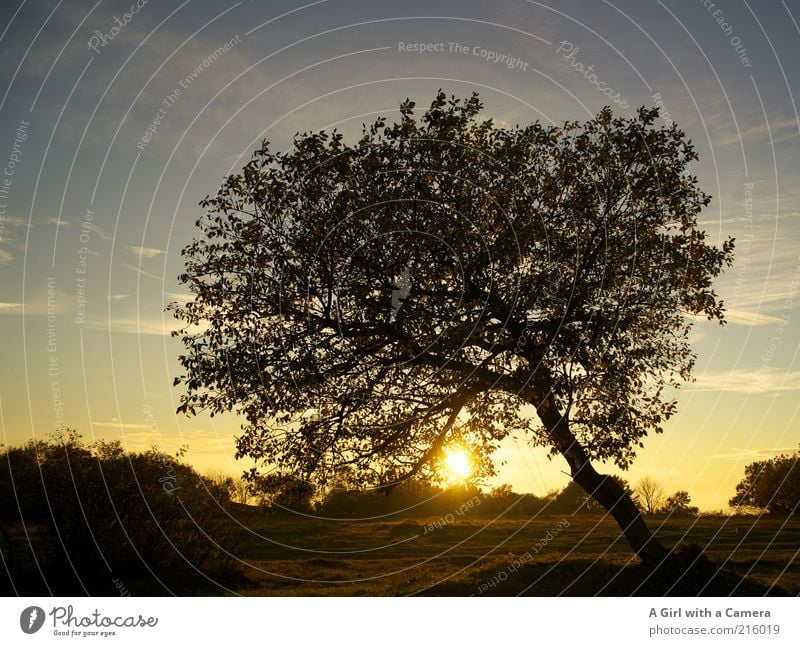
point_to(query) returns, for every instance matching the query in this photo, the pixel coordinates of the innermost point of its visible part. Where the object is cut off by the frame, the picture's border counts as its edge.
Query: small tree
(772, 484)
(679, 504)
(440, 281)
(651, 495)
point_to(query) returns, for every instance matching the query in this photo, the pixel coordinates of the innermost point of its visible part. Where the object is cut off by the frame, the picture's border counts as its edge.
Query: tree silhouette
(444, 280)
(651, 495)
(680, 503)
(773, 485)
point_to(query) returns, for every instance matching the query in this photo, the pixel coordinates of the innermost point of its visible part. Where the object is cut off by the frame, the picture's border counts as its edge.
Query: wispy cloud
(142, 272)
(748, 455)
(101, 233)
(7, 308)
(146, 252)
(5, 257)
(748, 381)
(58, 222)
(130, 325)
(779, 130)
(746, 317)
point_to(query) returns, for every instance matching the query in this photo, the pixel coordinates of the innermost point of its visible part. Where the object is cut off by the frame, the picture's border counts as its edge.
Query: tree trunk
(605, 490)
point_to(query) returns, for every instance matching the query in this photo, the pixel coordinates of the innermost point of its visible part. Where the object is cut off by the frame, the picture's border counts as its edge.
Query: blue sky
(97, 223)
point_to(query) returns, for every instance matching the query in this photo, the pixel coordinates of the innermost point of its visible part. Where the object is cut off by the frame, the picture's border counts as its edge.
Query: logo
(31, 619)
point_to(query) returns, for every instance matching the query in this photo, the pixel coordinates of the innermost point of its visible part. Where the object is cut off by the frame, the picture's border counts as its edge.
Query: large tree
(445, 281)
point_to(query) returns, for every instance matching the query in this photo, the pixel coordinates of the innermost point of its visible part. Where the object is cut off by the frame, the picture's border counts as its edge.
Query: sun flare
(458, 464)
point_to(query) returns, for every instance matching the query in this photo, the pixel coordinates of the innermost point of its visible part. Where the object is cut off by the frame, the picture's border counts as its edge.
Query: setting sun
(458, 464)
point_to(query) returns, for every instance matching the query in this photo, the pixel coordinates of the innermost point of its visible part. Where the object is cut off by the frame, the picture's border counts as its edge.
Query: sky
(117, 118)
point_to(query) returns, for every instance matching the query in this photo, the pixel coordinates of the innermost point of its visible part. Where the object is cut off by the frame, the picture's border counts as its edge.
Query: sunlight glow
(458, 463)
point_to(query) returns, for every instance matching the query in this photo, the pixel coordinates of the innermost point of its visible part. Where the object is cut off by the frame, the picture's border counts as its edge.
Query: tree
(679, 504)
(651, 495)
(772, 484)
(441, 279)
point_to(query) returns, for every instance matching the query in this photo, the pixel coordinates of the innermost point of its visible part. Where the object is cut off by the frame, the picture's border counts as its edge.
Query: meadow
(577, 555)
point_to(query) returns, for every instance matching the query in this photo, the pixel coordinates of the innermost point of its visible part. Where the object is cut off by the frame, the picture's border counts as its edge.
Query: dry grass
(300, 556)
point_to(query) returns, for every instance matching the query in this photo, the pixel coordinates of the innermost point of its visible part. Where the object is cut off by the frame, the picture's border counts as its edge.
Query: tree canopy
(446, 280)
(772, 484)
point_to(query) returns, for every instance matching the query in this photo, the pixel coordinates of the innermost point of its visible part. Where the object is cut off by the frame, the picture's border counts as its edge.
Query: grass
(305, 556)
(580, 555)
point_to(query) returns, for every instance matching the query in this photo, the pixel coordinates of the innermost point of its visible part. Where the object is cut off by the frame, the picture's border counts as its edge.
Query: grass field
(575, 555)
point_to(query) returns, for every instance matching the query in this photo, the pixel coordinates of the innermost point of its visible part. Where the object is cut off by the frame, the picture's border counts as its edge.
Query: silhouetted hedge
(76, 517)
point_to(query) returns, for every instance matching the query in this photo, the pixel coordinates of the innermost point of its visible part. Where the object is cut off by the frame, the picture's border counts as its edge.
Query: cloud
(6, 308)
(155, 327)
(745, 317)
(142, 272)
(101, 233)
(13, 221)
(142, 326)
(58, 222)
(146, 252)
(117, 297)
(754, 381)
(779, 130)
(750, 455)
(5, 257)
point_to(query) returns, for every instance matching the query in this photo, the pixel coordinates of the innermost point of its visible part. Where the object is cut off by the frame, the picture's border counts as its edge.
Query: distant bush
(572, 499)
(410, 499)
(86, 509)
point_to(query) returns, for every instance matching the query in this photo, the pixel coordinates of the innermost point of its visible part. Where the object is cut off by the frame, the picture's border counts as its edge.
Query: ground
(574, 555)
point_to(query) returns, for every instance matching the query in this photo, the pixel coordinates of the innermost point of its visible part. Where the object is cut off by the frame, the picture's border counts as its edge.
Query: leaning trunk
(604, 489)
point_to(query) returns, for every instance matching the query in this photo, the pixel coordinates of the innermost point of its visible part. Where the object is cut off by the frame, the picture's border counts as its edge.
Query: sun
(458, 463)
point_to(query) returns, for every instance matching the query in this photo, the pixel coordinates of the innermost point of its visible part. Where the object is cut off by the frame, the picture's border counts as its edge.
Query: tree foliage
(680, 504)
(441, 280)
(772, 484)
